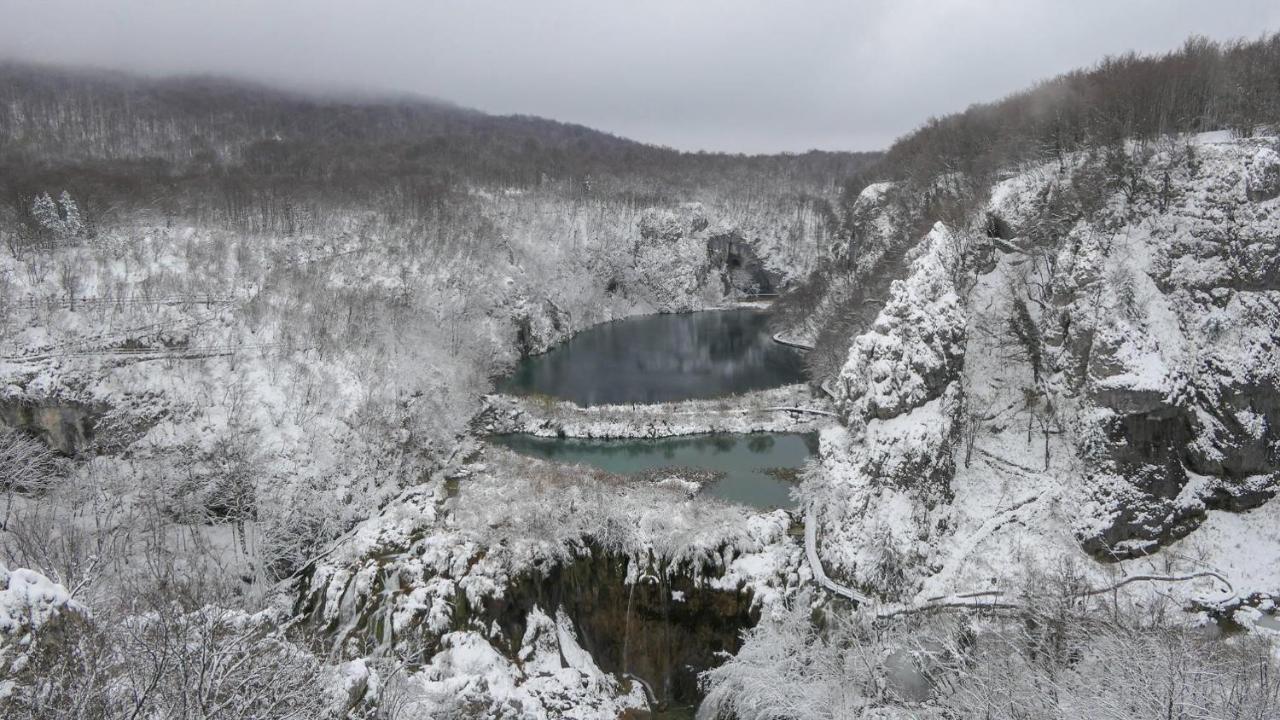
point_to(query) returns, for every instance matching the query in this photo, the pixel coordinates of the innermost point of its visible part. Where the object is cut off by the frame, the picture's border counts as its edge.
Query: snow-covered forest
(252, 344)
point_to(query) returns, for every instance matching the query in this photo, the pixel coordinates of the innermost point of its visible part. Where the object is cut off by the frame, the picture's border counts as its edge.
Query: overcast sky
(736, 75)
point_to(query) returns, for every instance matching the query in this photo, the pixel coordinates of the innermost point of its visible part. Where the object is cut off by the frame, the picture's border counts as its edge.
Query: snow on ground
(760, 411)
(552, 677)
(1244, 547)
(332, 367)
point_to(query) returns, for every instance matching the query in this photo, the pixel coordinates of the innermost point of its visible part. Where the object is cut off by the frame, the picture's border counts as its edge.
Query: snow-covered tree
(61, 219)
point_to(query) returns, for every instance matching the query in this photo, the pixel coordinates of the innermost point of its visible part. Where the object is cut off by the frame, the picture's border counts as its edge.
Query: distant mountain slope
(190, 125)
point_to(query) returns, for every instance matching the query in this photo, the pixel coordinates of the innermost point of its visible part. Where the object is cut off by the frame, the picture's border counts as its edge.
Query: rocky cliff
(1158, 318)
(1088, 364)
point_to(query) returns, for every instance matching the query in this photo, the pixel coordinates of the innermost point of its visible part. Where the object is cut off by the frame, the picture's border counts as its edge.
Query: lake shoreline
(759, 470)
(661, 358)
(754, 412)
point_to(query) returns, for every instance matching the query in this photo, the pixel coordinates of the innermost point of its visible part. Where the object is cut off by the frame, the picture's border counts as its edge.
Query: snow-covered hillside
(976, 459)
(235, 374)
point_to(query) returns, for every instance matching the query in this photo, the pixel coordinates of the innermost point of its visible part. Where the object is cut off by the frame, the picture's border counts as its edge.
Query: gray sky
(736, 75)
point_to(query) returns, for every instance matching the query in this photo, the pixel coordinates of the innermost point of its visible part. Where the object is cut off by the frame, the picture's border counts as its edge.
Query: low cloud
(735, 75)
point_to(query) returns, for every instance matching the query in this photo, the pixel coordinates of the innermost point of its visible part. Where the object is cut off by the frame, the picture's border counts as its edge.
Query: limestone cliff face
(683, 256)
(669, 257)
(1106, 332)
(742, 271)
(884, 487)
(677, 259)
(1163, 313)
(916, 345)
(1162, 317)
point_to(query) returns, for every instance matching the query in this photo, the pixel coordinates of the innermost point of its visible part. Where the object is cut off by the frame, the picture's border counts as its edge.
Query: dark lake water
(749, 463)
(662, 358)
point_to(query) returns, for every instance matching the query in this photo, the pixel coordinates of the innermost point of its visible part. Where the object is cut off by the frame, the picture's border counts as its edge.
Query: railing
(59, 301)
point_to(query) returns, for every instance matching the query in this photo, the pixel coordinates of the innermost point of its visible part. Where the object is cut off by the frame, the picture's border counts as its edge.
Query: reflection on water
(748, 463)
(662, 358)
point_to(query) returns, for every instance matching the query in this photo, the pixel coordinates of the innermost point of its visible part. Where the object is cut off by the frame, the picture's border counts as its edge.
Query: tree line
(172, 131)
(1204, 85)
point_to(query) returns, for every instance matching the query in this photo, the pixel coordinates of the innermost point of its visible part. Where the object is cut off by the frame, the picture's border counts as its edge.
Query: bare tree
(27, 466)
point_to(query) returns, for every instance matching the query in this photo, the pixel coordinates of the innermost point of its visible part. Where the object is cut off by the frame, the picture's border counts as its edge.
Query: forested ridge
(1204, 85)
(216, 148)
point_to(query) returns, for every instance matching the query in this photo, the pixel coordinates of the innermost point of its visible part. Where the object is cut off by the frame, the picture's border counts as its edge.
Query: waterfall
(626, 626)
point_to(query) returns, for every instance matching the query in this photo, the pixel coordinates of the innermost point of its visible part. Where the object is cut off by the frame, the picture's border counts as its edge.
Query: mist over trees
(1204, 85)
(256, 157)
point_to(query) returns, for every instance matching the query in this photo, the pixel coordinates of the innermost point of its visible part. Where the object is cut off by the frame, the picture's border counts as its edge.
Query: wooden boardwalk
(815, 563)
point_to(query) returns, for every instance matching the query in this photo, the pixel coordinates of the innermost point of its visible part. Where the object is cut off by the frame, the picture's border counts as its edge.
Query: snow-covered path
(815, 563)
(777, 337)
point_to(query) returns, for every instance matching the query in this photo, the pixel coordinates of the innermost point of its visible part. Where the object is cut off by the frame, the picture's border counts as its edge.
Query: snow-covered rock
(916, 345)
(551, 677)
(445, 572)
(29, 600)
(30, 604)
(1103, 382)
(1262, 180)
(1166, 305)
(885, 477)
(669, 257)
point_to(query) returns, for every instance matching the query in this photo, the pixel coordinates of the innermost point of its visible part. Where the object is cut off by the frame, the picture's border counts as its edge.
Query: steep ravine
(1071, 377)
(664, 626)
